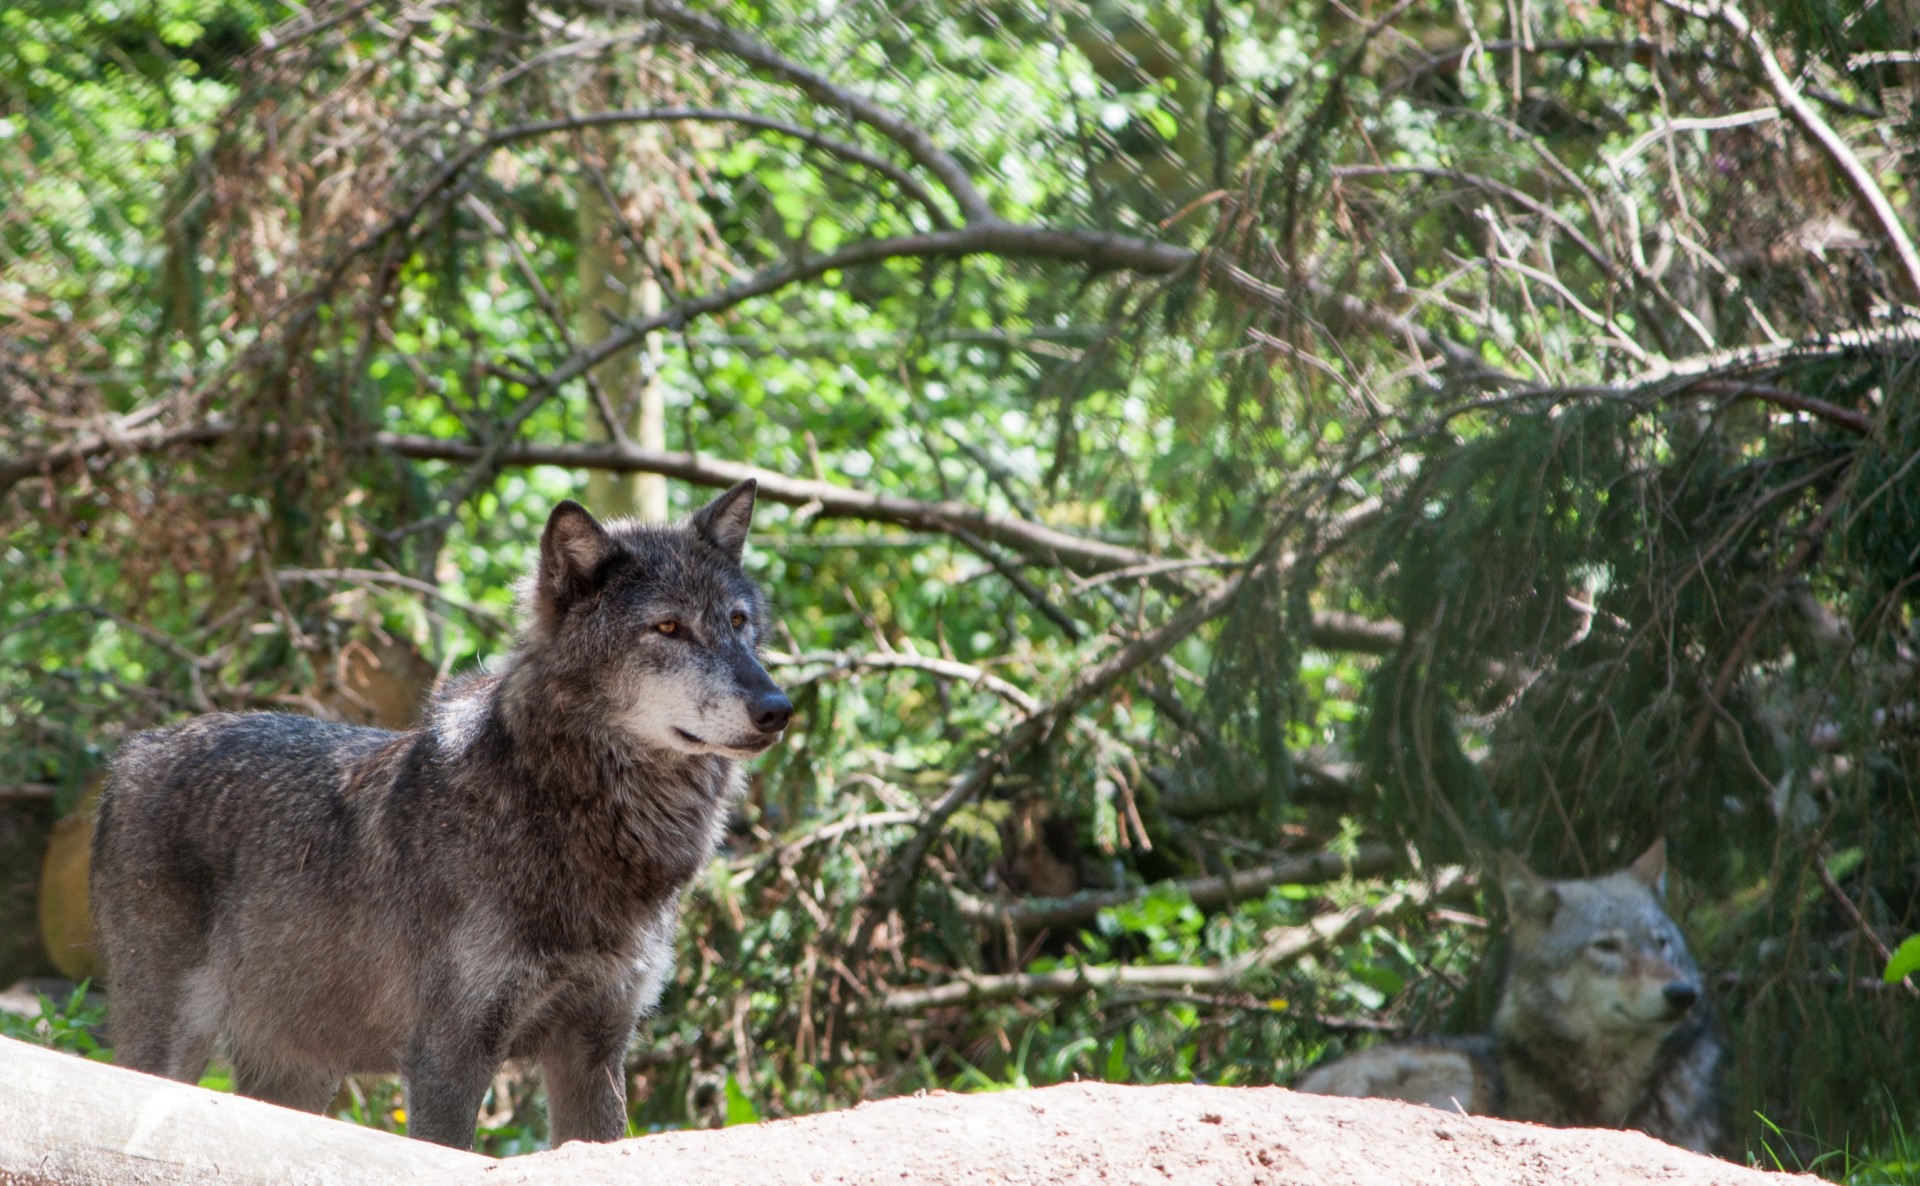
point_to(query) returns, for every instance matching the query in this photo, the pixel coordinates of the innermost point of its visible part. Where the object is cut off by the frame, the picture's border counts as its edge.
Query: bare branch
(1855, 422)
(821, 498)
(1281, 946)
(1091, 248)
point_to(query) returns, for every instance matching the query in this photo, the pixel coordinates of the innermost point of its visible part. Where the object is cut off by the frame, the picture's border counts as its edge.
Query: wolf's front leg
(447, 1076)
(585, 1070)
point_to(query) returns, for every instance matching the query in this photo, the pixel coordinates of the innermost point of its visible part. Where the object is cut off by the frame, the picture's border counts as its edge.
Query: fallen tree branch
(1033, 540)
(1208, 893)
(1281, 946)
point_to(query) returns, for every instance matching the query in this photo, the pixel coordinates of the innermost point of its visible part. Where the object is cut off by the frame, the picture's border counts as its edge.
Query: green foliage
(1904, 962)
(68, 1025)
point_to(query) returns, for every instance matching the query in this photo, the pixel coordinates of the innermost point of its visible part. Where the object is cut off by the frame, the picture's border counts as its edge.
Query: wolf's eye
(667, 627)
(739, 620)
(1606, 944)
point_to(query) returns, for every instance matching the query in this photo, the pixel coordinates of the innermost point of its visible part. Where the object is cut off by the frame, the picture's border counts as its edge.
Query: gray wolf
(1601, 1022)
(502, 881)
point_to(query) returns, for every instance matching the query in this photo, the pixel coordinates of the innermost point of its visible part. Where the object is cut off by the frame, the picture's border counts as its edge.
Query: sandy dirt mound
(1101, 1133)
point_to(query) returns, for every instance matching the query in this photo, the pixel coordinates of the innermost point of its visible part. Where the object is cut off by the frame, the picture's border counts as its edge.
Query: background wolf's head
(1596, 958)
(650, 632)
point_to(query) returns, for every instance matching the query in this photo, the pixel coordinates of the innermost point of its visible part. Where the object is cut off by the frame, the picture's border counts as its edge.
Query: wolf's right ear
(1531, 898)
(724, 522)
(571, 549)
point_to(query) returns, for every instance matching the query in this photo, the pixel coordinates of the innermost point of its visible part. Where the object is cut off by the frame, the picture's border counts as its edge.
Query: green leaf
(1905, 961)
(1117, 1059)
(740, 1109)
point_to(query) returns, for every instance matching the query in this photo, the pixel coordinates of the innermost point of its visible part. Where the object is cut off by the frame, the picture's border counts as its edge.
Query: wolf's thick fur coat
(1601, 1023)
(503, 880)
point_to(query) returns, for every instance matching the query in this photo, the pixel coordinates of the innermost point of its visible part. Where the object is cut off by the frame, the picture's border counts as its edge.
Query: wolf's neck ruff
(503, 880)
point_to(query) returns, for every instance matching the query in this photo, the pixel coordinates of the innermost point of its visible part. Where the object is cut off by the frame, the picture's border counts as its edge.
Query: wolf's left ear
(1651, 869)
(1530, 897)
(724, 521)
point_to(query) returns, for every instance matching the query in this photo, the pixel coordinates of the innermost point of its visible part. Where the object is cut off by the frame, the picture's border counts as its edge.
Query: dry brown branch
(1858, 178)
(1208, 893)
(14, 470)
(1281, 946)
(1854, 422)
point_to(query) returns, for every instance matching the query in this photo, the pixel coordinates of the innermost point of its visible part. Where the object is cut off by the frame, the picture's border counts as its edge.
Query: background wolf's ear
(1650, 869)
(724, 521)
(571, 548)
(1531, 898)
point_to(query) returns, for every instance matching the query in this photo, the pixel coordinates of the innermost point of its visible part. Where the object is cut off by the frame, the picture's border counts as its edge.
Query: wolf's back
(219, 797)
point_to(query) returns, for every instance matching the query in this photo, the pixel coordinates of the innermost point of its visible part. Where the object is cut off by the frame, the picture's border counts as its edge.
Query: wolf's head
(651, 632)
(1596, 959)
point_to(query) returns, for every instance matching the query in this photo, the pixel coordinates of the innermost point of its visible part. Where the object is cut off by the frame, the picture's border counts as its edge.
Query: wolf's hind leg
(301, 1088)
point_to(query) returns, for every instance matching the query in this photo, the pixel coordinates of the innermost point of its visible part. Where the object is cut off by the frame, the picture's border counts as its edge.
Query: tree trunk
(615, 285)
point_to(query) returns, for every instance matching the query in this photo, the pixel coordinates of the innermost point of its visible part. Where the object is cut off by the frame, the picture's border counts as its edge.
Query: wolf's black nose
(1680, 996)
(772, 710)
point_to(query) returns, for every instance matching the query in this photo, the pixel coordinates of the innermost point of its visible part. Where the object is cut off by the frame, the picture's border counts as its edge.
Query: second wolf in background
(1601, 1023)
